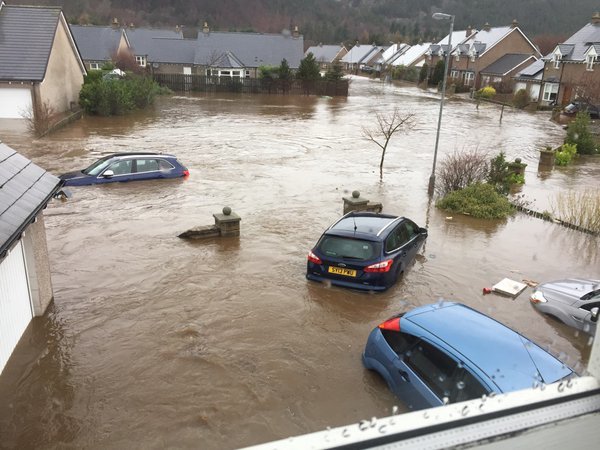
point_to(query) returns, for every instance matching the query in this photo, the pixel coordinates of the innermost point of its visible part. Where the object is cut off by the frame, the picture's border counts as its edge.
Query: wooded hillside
(335, 21)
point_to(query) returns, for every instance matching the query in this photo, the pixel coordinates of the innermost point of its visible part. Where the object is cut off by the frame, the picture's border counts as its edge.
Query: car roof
(131, 154)
(364, 225)
(508, 359)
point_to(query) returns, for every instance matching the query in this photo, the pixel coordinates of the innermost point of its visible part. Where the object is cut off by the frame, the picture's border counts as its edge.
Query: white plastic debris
(509, 287)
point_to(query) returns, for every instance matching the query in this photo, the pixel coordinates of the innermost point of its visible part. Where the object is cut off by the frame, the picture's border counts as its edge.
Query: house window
(589, 62)
(472, 57)
(247, 74)
(468, 78)
(94, 66)
(457, 57)
(141, 61)
(557, 57)
(454, 74)
(550, 92)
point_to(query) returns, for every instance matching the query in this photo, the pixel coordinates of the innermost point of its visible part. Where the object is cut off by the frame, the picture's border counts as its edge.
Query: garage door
(14, 102)
(15, 304)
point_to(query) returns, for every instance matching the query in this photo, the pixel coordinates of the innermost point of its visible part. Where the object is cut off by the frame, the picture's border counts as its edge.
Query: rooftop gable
(141, 40)
(27, 35)
(412, 54)
(324, 53)
(507, 63)
(357, 53)
(534, 71)
(581, 41)
(25, 189)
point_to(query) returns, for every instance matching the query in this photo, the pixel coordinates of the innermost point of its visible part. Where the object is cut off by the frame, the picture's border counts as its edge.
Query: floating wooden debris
(509, 287)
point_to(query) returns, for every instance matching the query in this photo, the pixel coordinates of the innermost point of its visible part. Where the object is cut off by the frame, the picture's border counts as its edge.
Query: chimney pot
(487, 27)
(514, 23)
(596, 18)
(205, 28)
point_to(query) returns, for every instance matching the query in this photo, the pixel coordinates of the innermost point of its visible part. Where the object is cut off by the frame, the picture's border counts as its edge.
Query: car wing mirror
(595, 312)
(108, 174)
(423, 231)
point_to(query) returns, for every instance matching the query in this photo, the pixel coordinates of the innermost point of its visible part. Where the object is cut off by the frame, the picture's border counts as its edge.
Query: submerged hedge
(479, 200)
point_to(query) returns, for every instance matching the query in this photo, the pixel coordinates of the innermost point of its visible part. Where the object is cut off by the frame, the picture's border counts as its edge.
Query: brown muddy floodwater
(155, 342)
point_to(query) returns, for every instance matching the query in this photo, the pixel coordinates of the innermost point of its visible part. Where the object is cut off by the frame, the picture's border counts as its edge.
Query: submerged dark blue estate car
(448, 352)
(127, 167)
(365, 250)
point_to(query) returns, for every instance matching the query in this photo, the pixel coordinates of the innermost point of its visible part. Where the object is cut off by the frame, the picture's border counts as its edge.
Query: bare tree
(39, 117)
(387, 125)
(461, 169)
(587, 88)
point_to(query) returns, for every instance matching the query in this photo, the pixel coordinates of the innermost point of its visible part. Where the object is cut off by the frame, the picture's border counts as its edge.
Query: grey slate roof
(26, 38)
(581, 41)
(25, 189)
(142, 39)
(506, 64)
(324, 53)
(172, 51)
(532, 72)
(96, 43)
(251, 49)
(566, 50)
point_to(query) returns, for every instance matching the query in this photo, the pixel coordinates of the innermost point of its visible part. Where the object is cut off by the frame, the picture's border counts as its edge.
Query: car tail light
(390, 324)
(186, 173)
(383, 266)
(537, 297)
(314, 258)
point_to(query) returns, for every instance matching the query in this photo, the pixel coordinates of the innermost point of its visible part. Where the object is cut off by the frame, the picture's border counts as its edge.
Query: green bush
(520, 99)
(565, 154)
(578, 133)
(479, 200)
(107, 97)
(405, 73)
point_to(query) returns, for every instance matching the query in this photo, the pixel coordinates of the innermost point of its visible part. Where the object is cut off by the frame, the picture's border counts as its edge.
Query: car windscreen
(97, 167)
(349, 248)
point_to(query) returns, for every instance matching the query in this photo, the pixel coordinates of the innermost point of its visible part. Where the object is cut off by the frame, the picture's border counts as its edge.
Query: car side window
(467, 387)
(121, 167)
(146, 165)
(164, 165)
(398, 341)
(397, 238)
(412, 229)
(434, 368)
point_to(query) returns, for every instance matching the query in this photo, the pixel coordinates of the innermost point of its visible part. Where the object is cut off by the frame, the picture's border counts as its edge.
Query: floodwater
(155, 342)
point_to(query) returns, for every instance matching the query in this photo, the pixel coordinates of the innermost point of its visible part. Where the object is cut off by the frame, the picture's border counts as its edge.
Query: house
(97, 45)
(360, 56)
(500, 73)
(437, 51)
(171, 56)
(102, 44)
(390, 54)
(483, 48)
(25, 284)
(573, 68)
(40, 65)
(240, 55)
(413, 56)
(530, 79)
(327, 55)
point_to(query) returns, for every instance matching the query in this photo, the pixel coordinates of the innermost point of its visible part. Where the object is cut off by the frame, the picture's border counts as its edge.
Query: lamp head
(442, 16)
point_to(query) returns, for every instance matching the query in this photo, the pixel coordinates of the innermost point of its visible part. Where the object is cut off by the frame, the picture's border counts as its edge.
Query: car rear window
(348, 248)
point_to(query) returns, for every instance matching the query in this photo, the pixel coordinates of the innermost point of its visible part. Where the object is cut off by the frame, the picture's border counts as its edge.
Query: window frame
(141, 60)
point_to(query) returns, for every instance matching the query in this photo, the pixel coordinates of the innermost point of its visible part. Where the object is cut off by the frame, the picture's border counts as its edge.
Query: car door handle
(404, 376)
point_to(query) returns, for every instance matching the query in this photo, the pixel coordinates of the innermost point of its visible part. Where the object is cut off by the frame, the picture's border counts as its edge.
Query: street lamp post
(441, 16)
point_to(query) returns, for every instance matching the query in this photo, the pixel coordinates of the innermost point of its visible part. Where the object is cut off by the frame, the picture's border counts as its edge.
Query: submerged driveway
(153, 341)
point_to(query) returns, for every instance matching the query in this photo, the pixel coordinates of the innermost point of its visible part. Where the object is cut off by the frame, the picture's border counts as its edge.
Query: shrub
(461, 169)
(405, 73)
(479, 200)
(423, 72)
(107, 97)
(520, 99)
(578, 133)
(334, 73)
(438, 73)
(486, 92)
(565, 154)
(498, 173)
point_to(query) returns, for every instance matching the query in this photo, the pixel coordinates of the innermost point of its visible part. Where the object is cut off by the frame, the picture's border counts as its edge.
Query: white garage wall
(15, 303)
(14, 102)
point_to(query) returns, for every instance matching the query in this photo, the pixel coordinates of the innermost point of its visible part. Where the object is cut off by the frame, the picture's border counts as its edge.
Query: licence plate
(342, 271)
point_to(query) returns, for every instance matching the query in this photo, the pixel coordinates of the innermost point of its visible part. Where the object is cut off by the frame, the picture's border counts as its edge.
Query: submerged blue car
(127, 167)
(365, 250)
(448, 352)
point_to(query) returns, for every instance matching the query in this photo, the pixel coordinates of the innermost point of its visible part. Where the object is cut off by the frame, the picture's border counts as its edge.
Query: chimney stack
(115, 23)
(487, 27)
(596, 18)
(514, 23)
(205, 28)
(469, 31)
(296, 34)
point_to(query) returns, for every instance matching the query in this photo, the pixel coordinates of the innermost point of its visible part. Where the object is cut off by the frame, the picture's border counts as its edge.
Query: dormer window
(457, 57)
(557, 57)
(473, 56)
(590, 58)
(141, 61)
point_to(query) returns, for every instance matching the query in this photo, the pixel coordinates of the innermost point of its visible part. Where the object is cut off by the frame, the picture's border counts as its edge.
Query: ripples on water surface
(157, 342)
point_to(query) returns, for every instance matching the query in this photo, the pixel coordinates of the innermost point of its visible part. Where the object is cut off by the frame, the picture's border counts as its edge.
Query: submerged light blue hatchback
(448, 352)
